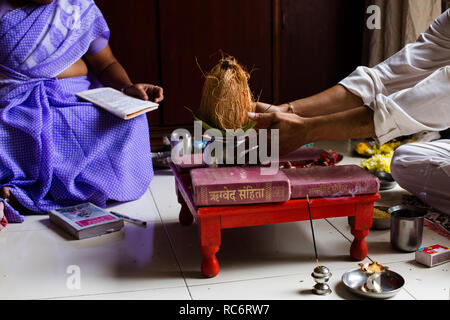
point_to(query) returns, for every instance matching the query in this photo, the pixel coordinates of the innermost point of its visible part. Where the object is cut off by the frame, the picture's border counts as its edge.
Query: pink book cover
(304, 154)
(189, 161)
(333, 181)
(237, 186)
(184, 163)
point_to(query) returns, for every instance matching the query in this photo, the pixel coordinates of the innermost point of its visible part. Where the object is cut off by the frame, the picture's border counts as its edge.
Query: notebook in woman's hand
(117, 103)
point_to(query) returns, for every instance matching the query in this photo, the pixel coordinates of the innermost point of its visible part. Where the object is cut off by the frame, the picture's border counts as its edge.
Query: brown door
(321, 43)
(135, 40)
(294, 48)
(200, 29)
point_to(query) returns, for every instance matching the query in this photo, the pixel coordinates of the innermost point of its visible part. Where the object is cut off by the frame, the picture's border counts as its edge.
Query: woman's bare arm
(107, 69)
(111, 73)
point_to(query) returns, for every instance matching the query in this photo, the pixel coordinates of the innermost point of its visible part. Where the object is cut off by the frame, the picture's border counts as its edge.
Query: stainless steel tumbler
(406, 227)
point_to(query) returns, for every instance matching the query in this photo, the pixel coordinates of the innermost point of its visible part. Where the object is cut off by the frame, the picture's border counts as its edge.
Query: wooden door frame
(277, 25)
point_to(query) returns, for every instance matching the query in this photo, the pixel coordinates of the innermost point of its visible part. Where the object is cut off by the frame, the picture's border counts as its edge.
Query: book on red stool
(238, 185)
(338, 181)
(246, 185)
(304, 156)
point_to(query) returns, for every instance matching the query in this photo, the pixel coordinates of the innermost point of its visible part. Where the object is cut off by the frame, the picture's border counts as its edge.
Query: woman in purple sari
(56, 150)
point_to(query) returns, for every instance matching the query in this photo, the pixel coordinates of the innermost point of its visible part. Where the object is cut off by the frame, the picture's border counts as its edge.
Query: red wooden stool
(211, 220)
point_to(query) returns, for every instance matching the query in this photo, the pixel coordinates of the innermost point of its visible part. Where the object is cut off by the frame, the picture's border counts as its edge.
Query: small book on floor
(86, 220)
(118, 103)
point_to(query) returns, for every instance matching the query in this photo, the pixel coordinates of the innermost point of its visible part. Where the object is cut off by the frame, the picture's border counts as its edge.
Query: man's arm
(335, 99)
(296, 131)
(356, 123)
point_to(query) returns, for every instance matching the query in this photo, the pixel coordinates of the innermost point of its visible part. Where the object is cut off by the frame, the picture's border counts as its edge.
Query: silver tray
(391, 283)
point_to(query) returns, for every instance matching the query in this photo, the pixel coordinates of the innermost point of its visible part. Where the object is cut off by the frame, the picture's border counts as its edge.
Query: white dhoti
(410, 93)
(424, 170)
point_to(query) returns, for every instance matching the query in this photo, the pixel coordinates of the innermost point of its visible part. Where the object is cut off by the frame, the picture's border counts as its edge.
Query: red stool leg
(209, 232)
(363, 222)
(210, 265)
(358, 249)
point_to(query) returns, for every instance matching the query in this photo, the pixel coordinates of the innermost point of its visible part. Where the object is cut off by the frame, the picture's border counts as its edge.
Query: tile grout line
(334, 227)
(171, 243)
(352, 241)
(349, 240)
(257, 278)
(412, 296)
(108, 293)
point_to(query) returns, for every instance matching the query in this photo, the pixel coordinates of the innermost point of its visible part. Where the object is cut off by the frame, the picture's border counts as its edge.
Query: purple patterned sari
(54, 149)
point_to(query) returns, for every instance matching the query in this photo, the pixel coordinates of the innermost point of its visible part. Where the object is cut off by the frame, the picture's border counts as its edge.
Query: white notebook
(117, 103)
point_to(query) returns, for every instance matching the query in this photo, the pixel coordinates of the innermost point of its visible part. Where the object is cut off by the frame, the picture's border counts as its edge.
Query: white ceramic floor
(162, 261)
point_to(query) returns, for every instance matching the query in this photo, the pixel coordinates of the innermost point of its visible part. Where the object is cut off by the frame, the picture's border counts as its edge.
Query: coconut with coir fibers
(226, 96)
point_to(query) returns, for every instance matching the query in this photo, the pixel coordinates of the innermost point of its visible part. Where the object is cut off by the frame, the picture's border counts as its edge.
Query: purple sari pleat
(56, 150)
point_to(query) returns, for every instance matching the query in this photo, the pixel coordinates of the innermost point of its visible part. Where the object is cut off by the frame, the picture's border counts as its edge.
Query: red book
(184, 163)
(333, 181)
(302, 155)
(237, 186)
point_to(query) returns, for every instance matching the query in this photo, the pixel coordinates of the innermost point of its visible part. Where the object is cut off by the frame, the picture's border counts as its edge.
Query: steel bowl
(387, 182)
(378, 223)
(381, 223)
(390, 281)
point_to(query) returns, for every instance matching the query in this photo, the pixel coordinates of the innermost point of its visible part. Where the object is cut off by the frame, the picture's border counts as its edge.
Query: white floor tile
(32, 223)
(142, 209)
(425, 283)
(163, 192)
(264, 251)
(34, 264)
(180, 293)
(379, 242)
(265, 262)
(292, 287)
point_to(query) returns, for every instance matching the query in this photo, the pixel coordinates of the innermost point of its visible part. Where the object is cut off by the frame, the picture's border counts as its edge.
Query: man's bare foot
(5, 193)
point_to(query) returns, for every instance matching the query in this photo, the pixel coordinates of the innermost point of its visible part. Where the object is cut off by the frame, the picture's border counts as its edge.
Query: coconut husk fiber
(226, 96)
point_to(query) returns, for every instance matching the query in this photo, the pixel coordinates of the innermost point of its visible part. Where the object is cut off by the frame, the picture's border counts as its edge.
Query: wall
(294, 48)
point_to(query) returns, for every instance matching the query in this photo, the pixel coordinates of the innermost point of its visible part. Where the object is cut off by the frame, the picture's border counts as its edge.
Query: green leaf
(249, 126)
(207, 126)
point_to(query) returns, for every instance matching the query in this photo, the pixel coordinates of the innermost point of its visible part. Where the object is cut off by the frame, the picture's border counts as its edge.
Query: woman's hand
(293, 129)
(146, 92)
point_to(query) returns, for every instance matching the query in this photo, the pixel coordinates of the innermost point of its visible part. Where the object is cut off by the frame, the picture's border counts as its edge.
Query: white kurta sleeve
(409, 92)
